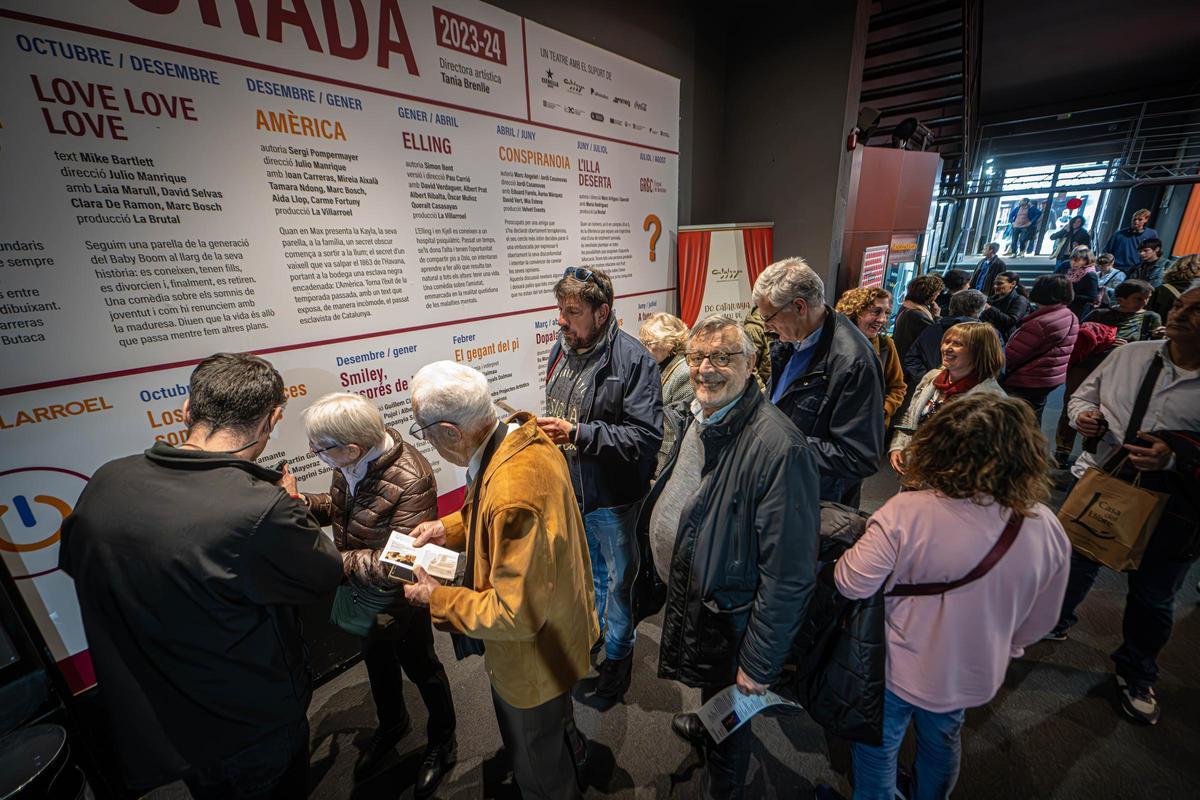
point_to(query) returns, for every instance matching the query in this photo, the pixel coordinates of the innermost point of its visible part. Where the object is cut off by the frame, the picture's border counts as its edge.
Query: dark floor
(1053, 731)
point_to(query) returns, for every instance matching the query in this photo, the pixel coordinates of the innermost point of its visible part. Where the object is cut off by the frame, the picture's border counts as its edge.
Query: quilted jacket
(1038, 352)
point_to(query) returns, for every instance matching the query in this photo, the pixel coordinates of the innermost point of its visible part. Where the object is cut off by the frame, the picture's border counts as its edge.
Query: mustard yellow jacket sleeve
(515, 607)
(893, 376)
(456, 532)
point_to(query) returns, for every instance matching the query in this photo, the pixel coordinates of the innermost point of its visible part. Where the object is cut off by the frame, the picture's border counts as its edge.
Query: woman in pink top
(975, 468)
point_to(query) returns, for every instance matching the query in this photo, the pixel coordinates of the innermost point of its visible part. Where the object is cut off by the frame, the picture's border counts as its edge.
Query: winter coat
(840, 650)
(908, 326)
(189, 567)
(908, 422)
(895, 387)
(619, 434)
(926, 352)
(987, 270)
(745, 555)
(397, 494)
(1037, 355)
(1005, 313)
(1087, 293)
(531, 600)
(1094, 337)
(676, 389)
(1070, 239)
(837, 403)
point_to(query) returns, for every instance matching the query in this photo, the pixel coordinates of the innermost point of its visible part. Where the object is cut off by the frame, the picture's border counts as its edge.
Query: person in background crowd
(1007, 306)
(954, 281)
(1176, 280)
(972, 358)
(1131, 323)
(985, 273)
(1069, 237)
(1024, 218)
(1085, 286)
(381, 484)
(977, 469)
(743, 556)
(1152, 263)
(824, 376)
(753, 324)
(665, 336)
(1037, 355)
(917, 312)
(926, 353)
(604, 411)
(1163, 451)
(1108, 277)
(527, 593)
(868, 308)
(1125, 244)
(205, 674)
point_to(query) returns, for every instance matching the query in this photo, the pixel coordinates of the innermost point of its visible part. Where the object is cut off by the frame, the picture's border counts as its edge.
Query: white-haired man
(734, 516)
(824, 376)
(527, 594)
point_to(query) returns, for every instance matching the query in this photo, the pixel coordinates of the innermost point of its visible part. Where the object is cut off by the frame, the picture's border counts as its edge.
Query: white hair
(787, 280)
(718, 323)
(343, 418)
(451, 392)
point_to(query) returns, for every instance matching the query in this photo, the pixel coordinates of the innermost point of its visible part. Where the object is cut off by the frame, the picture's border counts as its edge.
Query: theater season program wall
(351, 188)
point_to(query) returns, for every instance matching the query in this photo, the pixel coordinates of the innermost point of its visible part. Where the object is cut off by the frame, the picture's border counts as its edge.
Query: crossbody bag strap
(1007, 537)
(1140, 404)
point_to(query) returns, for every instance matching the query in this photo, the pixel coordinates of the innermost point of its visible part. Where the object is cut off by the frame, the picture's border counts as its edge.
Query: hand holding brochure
(729, 709)
(445, 565)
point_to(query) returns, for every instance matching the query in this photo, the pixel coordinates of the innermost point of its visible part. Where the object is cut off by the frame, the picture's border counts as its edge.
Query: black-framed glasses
(578, 273)
(416, 430)
(717, 359)
(779, 310)
(317, 451)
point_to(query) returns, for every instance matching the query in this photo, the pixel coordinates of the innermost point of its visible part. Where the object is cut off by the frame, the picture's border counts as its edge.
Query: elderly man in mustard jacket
(527, 593)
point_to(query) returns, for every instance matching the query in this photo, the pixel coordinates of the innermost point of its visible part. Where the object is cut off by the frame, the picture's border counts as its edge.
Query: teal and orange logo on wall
(34, 501)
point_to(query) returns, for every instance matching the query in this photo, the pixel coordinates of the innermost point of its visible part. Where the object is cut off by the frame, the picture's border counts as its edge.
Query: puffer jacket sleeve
(787, 525)
(1023, 345)
(321, 507)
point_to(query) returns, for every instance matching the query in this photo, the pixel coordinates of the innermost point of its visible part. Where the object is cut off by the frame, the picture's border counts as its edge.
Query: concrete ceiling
(1062, 55)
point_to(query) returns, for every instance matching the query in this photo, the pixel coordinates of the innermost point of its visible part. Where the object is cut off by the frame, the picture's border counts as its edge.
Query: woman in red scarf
(972, 357)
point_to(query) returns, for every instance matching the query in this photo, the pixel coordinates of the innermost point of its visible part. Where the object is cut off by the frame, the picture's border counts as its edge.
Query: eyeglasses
(578, 273)
(779, 310)
(416, 430)
(318, 450)
(716, 359)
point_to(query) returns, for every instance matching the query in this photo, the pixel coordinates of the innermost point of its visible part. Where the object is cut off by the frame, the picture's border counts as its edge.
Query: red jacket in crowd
(1039, 351)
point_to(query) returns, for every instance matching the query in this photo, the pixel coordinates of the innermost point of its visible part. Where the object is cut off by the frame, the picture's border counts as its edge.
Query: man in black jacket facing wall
(189, 563)
(738, 498)
(825, 377)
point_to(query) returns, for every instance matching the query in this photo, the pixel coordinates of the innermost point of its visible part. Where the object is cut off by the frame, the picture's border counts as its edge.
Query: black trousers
(536, 741)
(274, 768)
(1149, 610)
(1034, 397)
(726, 763)
(405, 642)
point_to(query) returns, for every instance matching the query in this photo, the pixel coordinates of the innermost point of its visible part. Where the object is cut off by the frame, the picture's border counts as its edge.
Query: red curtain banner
(693, 269)
(758, 251)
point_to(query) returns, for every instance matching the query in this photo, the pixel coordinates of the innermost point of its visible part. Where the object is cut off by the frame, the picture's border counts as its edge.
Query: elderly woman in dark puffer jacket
(382, 484)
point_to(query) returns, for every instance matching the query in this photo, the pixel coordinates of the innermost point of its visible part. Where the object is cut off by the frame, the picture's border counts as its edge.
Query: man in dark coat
(190, 563)
(825, 376)
(604, 411)
(985, 273)
(739, 499)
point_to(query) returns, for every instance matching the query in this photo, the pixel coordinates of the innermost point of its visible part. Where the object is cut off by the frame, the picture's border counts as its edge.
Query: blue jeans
(614, 553)
(939, 748)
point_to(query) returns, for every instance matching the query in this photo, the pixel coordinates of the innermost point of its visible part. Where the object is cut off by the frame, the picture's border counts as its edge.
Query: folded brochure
(445, 565)
(729, 709)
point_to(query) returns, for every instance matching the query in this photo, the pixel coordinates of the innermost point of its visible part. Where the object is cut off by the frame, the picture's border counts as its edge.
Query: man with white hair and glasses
(824, 376)
(527, 590)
